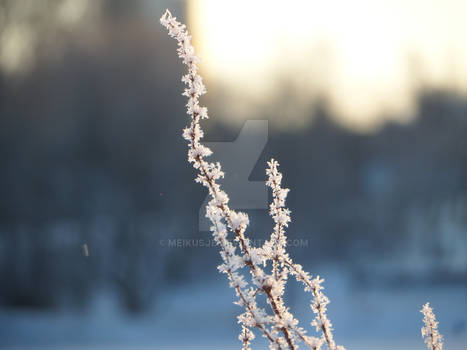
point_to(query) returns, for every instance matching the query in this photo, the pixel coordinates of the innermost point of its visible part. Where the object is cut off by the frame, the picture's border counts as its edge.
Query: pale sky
(368, 57)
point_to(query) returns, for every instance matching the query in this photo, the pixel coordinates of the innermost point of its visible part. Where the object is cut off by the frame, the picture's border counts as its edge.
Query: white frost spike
(433, 340)
(217, 210)
(279, 327)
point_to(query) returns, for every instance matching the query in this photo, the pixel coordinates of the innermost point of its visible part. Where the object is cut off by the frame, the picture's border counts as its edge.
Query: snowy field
(203, 317)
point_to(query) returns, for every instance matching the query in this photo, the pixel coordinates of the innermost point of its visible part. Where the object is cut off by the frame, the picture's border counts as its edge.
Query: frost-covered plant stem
(246, 337)
(210, 172)
(280, 328)
(225, 219)
(433, 340)
(319, 305)
(246, 297)
(280, 258)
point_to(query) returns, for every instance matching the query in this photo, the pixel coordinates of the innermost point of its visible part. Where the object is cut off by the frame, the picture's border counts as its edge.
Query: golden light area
(367, 58)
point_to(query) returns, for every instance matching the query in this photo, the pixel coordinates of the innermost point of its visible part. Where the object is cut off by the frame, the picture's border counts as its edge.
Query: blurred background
(367, 109)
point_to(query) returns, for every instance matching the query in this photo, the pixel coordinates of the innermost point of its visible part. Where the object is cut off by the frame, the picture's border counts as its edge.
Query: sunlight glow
(368, 57)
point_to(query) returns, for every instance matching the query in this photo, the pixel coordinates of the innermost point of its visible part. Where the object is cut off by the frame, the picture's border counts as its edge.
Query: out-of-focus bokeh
(99, 239)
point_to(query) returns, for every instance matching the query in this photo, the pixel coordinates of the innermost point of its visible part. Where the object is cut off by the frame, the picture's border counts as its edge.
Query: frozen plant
(269, 266)
(278, 324)
(433, 340)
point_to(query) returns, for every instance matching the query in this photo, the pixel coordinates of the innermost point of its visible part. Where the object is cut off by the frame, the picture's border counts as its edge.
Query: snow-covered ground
(203, 317)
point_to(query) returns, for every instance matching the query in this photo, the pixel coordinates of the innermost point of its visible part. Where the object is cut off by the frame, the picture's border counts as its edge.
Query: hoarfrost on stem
(270, 265)
(279, 326)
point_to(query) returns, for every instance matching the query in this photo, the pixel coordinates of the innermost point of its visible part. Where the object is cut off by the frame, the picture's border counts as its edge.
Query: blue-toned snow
(203, 317)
